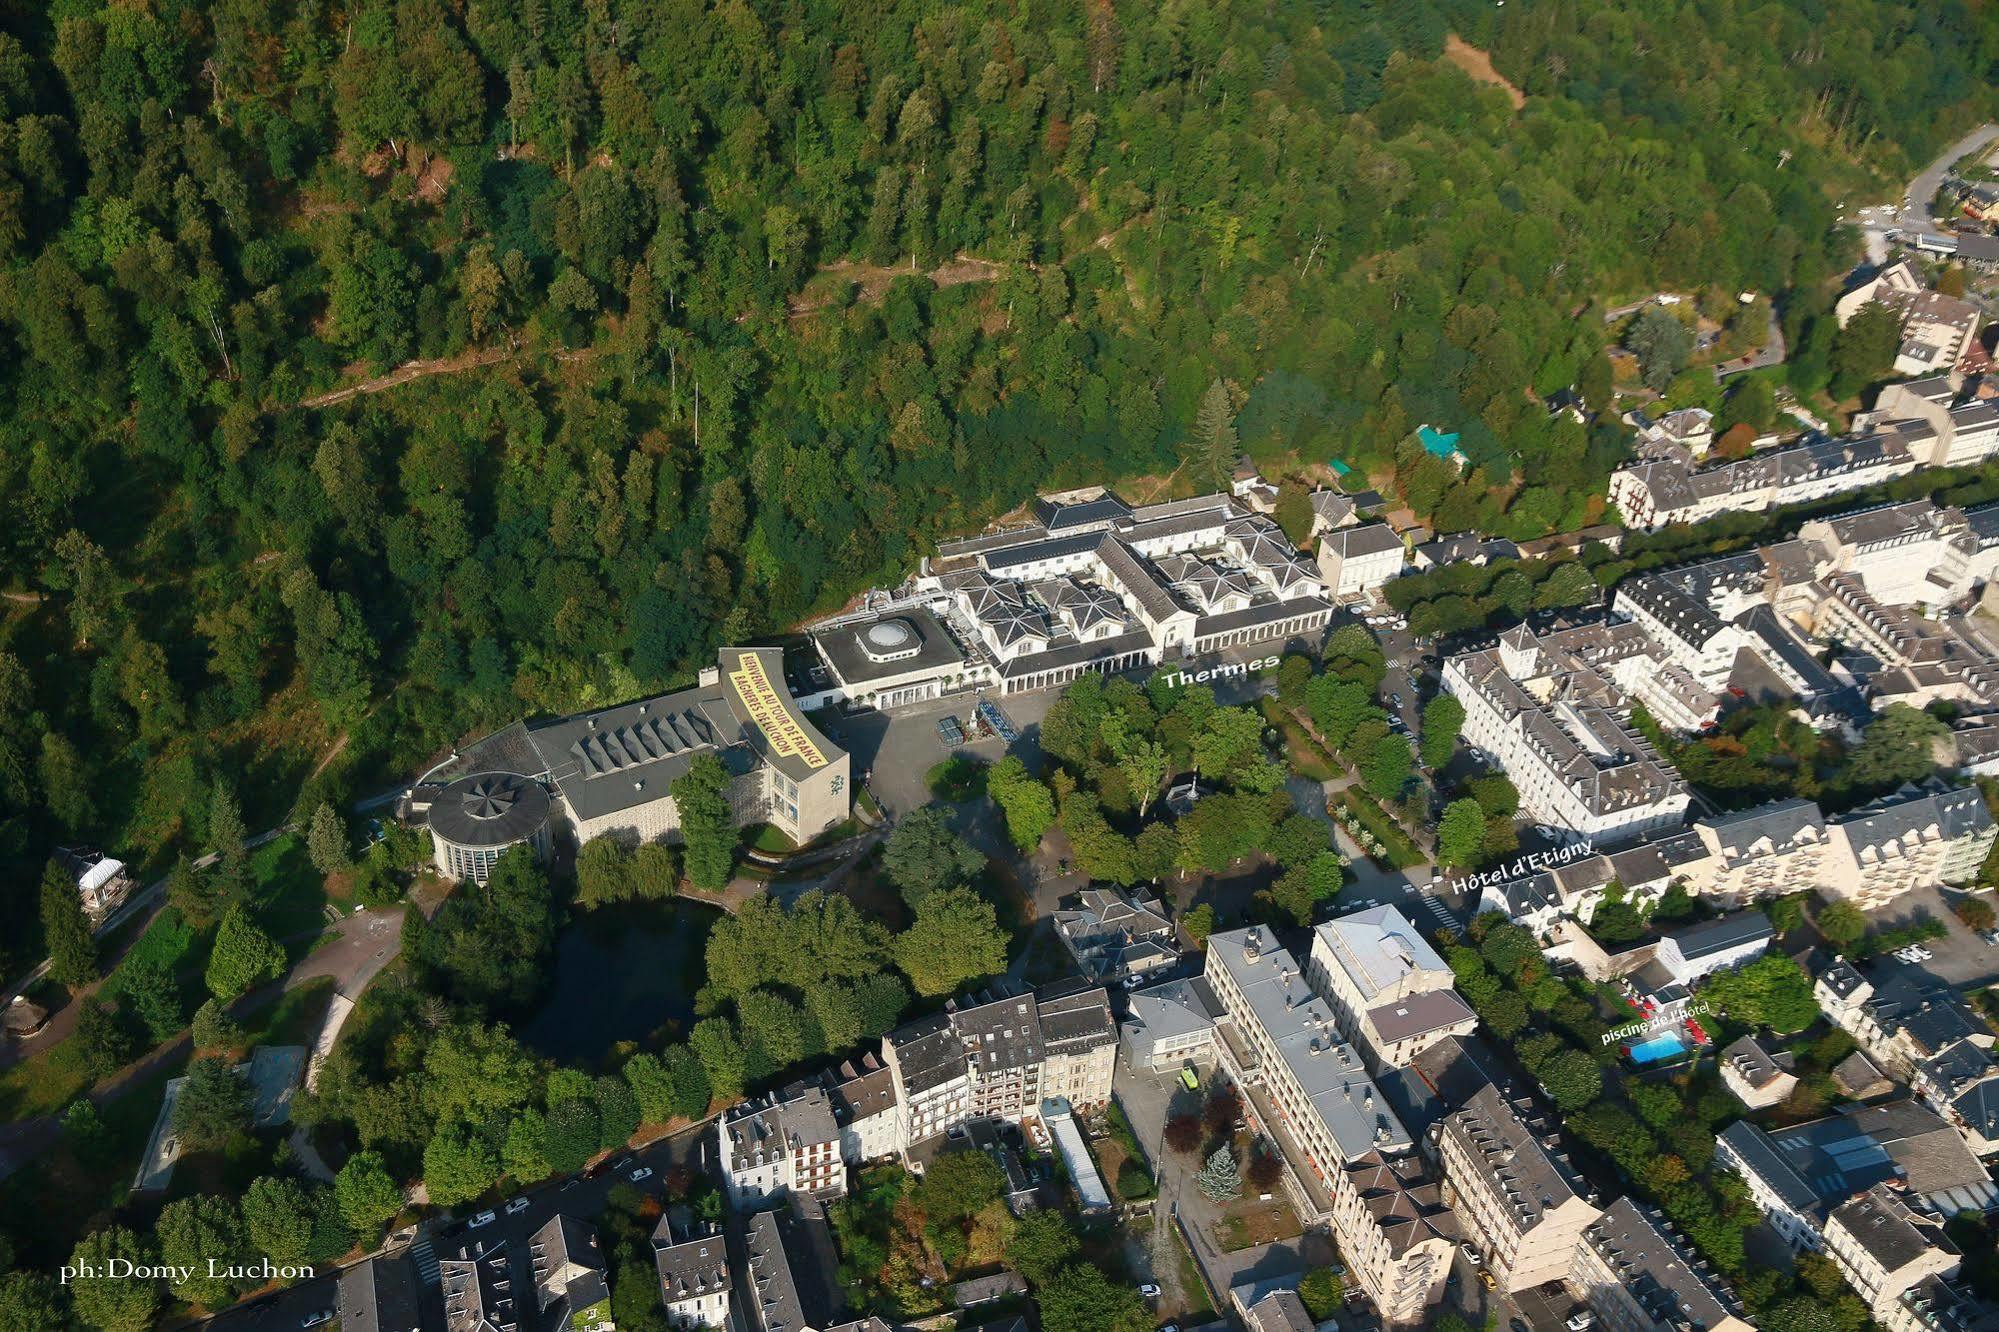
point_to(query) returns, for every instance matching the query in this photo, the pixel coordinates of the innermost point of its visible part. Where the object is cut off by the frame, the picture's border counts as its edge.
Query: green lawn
(1397, 849)
(40, 1085)
(289, 894)
(1307, 757)
(294, 1019)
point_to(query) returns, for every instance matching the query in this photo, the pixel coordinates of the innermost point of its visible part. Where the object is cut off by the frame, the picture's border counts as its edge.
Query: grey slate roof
(1077, 1022)
(1433, 1010)
(1755, 1065)
(692, 1265)
(860, 1088)
(1525, 1163)
(1856, 1076)
(1659, 1270)
(790, 1263)
(1882, 1224)
(1000, 1033)
(381, 1294)
(1760, 1156)
(478, 1292)
(928, 1052)
(1366, 539)
(489, 809)
(1719, 935)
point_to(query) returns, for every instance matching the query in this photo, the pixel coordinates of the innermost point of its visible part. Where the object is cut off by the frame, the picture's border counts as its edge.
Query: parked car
(1471, 1251)
(517, 1206)
(1150, 1291)
(485, 1218)
(643, 1172)
(1486, 1279)
(316, 1317)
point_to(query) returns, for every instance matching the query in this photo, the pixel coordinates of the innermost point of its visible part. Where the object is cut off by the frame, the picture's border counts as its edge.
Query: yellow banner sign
(769, 712)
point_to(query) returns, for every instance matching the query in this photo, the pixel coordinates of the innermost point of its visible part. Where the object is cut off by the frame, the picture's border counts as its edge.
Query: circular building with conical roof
(479, 818)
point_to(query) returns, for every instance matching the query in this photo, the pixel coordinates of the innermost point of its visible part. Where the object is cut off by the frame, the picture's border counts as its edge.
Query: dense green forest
(672, 422)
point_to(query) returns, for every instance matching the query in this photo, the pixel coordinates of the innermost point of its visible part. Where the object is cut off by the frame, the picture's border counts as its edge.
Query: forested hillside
(214, 212)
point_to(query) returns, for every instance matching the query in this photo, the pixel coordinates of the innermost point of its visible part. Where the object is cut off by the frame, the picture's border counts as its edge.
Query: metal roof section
(782, 737)
(489, 809)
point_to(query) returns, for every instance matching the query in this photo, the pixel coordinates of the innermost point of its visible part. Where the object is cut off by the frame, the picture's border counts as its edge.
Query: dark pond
(621, 972)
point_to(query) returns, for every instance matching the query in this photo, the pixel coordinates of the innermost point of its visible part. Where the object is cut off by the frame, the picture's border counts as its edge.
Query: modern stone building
(611, 772)
(1281, 1043)
(1088, 584)
(1885, 1249)
(1560, 730)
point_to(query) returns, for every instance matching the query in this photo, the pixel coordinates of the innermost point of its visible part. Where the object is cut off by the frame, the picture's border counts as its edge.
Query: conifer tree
(66, 930)
(1219, 1179)
(1213, 447)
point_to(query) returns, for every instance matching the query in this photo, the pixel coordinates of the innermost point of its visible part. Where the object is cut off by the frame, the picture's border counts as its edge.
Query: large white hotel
(1090, 584)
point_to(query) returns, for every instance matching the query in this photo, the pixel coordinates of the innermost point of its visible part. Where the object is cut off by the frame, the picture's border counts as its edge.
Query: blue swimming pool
(1656, 1049)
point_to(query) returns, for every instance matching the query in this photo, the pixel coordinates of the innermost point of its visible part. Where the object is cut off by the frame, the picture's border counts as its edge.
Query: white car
(316, 1318)
(485, 1218)
(643, 1172)
(517, 1206)
(1471, 1251)
(1150, 1291)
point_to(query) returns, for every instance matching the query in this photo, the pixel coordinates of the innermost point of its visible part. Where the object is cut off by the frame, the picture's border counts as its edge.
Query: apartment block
(1390, 991)
(1751, 855)
(1282, 1042)
(1885, 1249)
(693, 1268)
(1639, 1275)
(1913, 838)
(1079, 1041)
(998, 1056)
(1559, 734)
(774, 1148)
(1798, 1175)
(1513, 1189)
(862, 1092)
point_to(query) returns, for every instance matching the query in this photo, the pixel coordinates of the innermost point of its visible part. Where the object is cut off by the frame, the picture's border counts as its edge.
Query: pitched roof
(691, 1265)
(1659, 1271)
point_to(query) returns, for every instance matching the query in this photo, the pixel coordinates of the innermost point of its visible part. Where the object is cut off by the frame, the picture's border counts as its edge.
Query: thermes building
(611, 772)
(1088, 584)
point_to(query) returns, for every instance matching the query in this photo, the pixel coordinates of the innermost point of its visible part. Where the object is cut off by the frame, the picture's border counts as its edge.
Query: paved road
(1911, 213)
(1772, 352)
(576, 1196)
(366, 941)
(1915, 208)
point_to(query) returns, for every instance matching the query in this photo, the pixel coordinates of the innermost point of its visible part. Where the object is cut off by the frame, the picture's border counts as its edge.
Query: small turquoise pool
(1656, 1049)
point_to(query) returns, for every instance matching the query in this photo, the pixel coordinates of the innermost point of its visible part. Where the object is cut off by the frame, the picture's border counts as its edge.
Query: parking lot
(1961, 959)
(896, 749)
